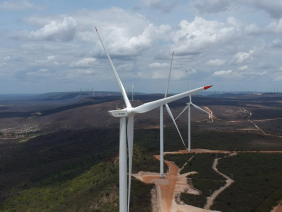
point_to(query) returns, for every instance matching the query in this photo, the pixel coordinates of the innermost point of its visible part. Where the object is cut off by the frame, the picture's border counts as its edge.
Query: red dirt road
(167, 191)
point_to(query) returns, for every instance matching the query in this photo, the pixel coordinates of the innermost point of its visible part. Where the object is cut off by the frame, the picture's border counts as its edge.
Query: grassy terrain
(178, 159)
(257, 185)
(51, 170)
(207, 180)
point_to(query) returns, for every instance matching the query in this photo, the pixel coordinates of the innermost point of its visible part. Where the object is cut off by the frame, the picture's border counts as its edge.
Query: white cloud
(40, 73)
(222, 73)
(216, 62)
(86, 72)
(17, 5)
(43, 71)
(193, 71)
(50, 61)
(199, 35)
(159, 65)
(276, 43)
(126, 66)
(242, 57)
(243, 68)
(85, 62)
(53, 31)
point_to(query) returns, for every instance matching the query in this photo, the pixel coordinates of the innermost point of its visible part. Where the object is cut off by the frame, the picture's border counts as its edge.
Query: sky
(49, 46)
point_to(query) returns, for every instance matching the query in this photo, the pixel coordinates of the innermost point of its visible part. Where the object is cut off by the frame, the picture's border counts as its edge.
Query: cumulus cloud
(276, 43)
(85, 62)
(40, 73)
(53, 31)
(216, 62)
(126, 66)
(86, 72)
(17, 5)
(164, 6)
(159, 65)
(200, 35)
(243, 68)
(222, 73)
(50, 61)
(242, 57)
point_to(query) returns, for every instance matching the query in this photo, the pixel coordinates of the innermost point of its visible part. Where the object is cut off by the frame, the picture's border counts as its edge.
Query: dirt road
(166, 184)
(229, 181)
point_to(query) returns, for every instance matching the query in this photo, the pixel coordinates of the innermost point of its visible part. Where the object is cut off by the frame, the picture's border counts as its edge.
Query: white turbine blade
(181, 112)
(171, 116)
(197, 107)
(126, 100)
(130, 133)
(169, 75)
(152, 105)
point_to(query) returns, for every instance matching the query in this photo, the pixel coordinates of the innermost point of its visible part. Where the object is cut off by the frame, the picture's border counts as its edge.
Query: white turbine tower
(162, 125)
(129, 112)
(189, 116)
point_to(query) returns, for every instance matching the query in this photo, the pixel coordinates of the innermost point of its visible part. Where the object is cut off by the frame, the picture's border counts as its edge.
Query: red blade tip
(96, 29)
(207, 87)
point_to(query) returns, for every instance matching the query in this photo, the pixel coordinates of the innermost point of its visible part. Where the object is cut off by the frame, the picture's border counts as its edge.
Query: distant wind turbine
(162, 125)
(189, 116)
(129, 112)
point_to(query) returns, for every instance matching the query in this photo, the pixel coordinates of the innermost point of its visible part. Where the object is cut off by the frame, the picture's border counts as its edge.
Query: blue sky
(49, 46)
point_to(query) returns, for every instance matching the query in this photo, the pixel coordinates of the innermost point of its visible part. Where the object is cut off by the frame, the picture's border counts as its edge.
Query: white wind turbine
(189, 115)
(162, 125)
(129, 112)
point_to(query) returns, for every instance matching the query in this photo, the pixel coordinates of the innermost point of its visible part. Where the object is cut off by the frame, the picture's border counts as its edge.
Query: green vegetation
(178, 159)
(206, 180)
(241, 141)
(205, 186)
(257, 185)
(202, 163)
(53, 169)
(94, 190)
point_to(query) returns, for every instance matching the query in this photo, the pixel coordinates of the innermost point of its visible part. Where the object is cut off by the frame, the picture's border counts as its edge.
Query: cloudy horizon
(49, 46)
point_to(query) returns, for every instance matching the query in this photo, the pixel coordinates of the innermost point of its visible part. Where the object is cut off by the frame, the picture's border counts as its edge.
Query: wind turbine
(189, 115)
(129, 112)
(162, 125)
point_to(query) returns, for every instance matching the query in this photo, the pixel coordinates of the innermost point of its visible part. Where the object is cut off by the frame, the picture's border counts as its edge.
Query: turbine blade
(126, 100)
(171, 116)
(169, 75)
(130, 134)
(152, 105)
(181, 112)
(199, 108)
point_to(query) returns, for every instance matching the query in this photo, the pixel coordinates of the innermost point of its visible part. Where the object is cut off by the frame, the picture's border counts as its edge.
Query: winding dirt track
(167, 185)
(229, 181)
